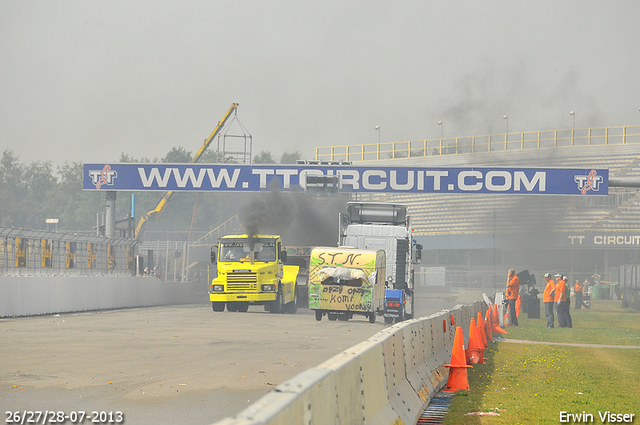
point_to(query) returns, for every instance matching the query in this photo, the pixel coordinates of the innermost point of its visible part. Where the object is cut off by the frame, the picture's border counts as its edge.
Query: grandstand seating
(485, 213)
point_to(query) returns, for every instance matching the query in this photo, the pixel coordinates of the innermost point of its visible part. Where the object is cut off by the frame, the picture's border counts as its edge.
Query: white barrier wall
(31, 295)
(388, 379)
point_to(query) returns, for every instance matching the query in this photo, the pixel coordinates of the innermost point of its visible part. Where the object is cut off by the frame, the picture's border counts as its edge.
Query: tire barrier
(388, 379)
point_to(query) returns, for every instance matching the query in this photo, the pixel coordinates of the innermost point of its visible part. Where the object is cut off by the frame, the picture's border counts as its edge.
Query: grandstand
(479, 213)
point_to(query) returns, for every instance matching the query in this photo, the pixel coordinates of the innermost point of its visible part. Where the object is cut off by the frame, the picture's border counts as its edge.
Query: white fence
(31, 295)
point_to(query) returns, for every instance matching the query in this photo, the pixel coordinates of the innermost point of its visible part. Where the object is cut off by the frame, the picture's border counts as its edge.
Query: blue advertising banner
(255, 178)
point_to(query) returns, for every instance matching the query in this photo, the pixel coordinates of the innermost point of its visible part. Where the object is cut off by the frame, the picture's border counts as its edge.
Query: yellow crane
(155, 213)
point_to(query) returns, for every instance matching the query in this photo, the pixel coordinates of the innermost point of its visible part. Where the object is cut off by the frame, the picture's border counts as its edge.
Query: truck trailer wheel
(388, 320)
(217, 306)
(232, 306)
(243, 307)
(318, 315)
(332, 316)
(372, 318)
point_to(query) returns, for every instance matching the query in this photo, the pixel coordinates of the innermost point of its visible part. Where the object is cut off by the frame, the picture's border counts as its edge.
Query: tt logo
(102, 177)
(587, 183)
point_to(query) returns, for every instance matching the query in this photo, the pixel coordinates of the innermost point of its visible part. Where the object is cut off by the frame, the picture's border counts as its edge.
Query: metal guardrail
(484, 143)
(25, 252)
(211, 238)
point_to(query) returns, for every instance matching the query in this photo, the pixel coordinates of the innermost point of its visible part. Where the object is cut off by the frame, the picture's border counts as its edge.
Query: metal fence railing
(25, 252)
(484, 143)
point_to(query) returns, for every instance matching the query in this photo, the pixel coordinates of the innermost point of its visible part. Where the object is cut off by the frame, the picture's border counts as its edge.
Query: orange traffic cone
(487, 328)
(474, 352)
(518, 305)
(458, 367)
(495, 327)
(494, 315)
(480, 326)
(506, 320)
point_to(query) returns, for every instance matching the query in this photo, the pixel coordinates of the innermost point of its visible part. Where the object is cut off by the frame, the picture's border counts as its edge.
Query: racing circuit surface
(167, 365)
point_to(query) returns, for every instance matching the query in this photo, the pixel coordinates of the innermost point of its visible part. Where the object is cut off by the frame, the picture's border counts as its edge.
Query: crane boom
(153, 214)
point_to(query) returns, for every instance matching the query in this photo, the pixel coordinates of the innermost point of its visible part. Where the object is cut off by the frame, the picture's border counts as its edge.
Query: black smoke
(301, 219)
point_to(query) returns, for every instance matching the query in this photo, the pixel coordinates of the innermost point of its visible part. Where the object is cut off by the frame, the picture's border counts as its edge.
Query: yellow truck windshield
(239, 250)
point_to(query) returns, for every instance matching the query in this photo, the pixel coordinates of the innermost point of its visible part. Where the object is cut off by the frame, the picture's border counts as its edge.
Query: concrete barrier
(32, 295)
(388, 379)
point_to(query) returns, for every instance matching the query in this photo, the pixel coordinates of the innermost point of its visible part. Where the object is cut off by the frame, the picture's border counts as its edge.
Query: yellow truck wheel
(277, 305)
(292, 307)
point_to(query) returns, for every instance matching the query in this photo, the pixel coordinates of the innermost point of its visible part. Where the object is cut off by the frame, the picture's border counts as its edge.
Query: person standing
(513, 289)
(559, 298)
(547, 299)
(566, 305)
(586, 294)
(578, 290)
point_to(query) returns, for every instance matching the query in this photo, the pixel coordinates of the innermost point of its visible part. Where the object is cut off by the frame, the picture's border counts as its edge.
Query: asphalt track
(166, 365)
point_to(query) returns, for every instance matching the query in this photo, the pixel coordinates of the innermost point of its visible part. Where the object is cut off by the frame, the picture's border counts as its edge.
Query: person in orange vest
(559, 299)
(547, 299)
(578, 289)
(513, 289)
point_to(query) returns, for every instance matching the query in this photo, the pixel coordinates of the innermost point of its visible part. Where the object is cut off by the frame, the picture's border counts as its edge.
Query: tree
(126, 158)
(210, 156)
(75, 208)
(177, 155)
(11, 190)
(264, 157)
(39, 186)
(290, 157)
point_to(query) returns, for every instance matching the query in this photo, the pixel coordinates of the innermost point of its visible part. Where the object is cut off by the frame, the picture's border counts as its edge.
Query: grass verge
(533, 383)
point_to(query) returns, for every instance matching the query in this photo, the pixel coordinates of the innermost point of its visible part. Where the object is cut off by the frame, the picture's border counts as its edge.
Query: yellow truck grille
(242, 287)
(242, 281)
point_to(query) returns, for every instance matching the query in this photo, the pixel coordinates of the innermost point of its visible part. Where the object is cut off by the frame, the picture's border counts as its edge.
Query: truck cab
(370, 225)
(251, 270)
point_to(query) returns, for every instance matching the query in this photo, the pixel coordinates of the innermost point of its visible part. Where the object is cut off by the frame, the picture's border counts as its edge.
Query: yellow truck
(251, 270)
(344, 281)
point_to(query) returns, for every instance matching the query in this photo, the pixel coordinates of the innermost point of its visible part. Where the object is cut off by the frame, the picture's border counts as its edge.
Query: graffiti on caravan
(357, 179)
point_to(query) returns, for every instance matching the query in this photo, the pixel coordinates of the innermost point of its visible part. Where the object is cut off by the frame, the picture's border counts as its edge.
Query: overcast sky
(88, 80)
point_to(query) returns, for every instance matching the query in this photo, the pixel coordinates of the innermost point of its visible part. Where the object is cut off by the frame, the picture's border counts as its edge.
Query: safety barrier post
(423, 378)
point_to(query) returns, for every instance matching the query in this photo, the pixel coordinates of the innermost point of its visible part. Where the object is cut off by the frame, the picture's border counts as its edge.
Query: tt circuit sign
(254, 178)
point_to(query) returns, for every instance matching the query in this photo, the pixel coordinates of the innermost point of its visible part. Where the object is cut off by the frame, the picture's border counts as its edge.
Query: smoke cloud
(301, 219)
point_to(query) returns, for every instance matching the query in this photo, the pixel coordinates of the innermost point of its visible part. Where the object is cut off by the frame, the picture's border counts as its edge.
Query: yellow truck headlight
(267, 288)
(217, 288)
